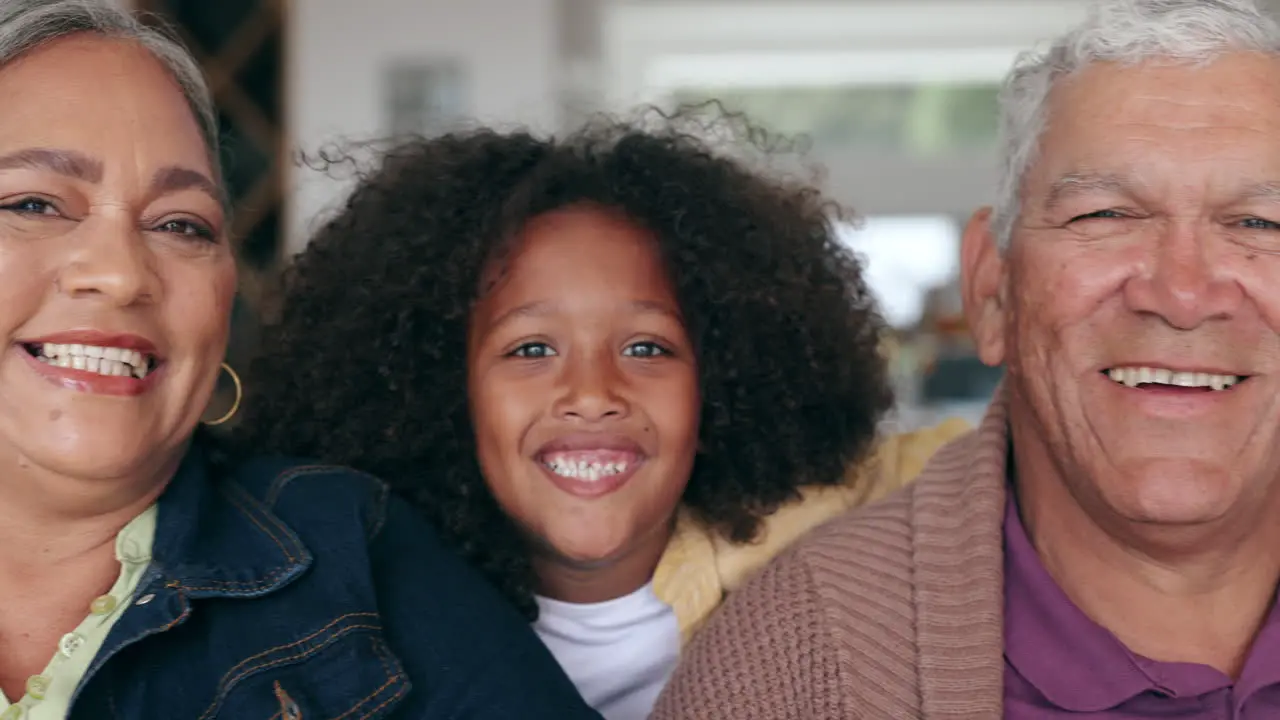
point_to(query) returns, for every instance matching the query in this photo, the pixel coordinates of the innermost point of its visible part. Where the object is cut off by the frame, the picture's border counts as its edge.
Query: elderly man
(1107, 545)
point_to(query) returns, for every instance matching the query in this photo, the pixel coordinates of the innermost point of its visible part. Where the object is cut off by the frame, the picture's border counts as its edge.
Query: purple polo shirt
(1060, 664)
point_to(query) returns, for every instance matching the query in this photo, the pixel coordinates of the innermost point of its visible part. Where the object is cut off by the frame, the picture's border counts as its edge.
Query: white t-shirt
(619, 653)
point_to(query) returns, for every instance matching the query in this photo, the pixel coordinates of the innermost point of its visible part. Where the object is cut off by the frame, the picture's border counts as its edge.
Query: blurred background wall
(897, 98)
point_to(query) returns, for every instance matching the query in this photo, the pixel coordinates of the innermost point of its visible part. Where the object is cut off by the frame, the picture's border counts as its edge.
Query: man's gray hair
(1123, 31)
(28, 24)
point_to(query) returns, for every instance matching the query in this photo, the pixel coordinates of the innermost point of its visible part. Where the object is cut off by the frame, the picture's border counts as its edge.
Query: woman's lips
(88, 381)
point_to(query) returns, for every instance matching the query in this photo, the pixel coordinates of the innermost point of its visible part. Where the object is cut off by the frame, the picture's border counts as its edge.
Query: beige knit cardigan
(700, 566)
(893, 611)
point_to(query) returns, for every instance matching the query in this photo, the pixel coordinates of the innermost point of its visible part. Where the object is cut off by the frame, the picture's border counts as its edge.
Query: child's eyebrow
(533, 309)
(654, 306)
(542, 308)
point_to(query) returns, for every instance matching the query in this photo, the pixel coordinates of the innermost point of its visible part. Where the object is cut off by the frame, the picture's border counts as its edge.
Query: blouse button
(37, 686)
(102, 605)
(67, 646)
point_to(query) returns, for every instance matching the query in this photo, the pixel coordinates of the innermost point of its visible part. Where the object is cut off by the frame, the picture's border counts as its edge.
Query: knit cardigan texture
(700, 566)
(892, 611)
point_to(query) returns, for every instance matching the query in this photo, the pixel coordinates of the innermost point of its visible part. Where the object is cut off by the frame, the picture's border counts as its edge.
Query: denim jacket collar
(386, 623)
(215, 540)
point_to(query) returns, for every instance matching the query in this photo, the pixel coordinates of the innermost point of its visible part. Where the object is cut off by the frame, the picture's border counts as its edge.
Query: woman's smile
(92, 361)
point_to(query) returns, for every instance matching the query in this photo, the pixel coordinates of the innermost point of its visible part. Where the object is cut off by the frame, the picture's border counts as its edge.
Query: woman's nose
(109, 259)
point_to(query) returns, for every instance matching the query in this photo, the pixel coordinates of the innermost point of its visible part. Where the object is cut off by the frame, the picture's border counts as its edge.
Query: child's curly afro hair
(366, 364)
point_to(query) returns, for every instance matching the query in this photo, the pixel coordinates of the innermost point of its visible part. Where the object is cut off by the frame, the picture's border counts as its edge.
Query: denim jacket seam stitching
(238, 586)
(244, 668)
(244, 503)
(282, 480)
(286, 659)
(209, 584)
(396, 696)
(392, 676)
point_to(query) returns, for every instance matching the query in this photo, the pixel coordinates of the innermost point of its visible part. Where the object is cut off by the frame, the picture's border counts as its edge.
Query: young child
(619, 370)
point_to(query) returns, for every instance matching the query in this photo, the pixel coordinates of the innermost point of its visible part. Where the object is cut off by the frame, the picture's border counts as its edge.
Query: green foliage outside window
(919, 120)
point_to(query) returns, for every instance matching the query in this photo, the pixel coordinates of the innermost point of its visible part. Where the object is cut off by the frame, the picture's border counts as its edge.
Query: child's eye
(533, 350)
(646, 349)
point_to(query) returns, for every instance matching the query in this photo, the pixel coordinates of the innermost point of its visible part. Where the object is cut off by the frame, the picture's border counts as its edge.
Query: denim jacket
(302, 592)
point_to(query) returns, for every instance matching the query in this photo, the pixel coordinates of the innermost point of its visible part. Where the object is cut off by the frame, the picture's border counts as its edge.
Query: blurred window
(906, 258)
(910, 119)
(423, 98)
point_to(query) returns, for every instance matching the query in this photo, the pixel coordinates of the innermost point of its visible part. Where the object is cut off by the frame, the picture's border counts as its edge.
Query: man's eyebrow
(1074, 184)
(1080, 183)
(1269, 191)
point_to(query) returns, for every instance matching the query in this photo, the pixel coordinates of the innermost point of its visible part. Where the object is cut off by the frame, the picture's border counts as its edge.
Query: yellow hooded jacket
(699, 566)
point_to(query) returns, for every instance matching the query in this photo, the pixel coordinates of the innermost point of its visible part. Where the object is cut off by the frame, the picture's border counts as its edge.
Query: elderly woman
(148, 574)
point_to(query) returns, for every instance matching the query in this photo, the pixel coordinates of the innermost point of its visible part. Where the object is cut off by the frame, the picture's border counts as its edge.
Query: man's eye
(30, 206)
(1259, 224)
(1098, 215)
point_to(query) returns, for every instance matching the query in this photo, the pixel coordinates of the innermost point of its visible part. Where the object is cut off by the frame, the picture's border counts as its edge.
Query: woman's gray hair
(28, 24)
(1124, 31)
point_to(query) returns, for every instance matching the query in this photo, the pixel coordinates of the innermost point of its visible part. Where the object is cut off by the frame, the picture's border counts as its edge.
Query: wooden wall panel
(241, 45)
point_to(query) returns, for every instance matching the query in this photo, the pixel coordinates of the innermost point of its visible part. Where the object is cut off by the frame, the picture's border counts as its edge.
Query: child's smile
(590, 464)
(584, 398)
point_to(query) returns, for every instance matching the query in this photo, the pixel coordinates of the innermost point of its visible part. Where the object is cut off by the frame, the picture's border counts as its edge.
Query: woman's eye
(186, 228)
(645, 350)
(30, 206)
(533, 351)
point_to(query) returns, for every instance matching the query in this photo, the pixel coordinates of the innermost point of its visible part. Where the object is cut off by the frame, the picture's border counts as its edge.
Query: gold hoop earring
(235, 407)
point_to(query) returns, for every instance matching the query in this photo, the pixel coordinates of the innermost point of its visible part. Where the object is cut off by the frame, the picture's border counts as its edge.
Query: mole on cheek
(54, 415)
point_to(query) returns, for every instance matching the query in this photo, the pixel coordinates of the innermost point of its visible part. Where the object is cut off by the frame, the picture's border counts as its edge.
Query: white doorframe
(652, 47)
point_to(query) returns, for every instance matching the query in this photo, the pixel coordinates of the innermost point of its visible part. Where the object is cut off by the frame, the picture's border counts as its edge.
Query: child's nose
(591, 393)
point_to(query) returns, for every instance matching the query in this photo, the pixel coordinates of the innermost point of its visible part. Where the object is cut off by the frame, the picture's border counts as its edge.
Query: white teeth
(1135, 376)
(583, 470)
(111, 361)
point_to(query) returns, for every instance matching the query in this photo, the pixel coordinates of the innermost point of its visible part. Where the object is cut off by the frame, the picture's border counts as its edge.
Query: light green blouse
(48, 695)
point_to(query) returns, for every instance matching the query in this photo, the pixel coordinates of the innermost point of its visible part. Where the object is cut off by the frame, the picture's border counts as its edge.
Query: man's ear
(982, 277)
